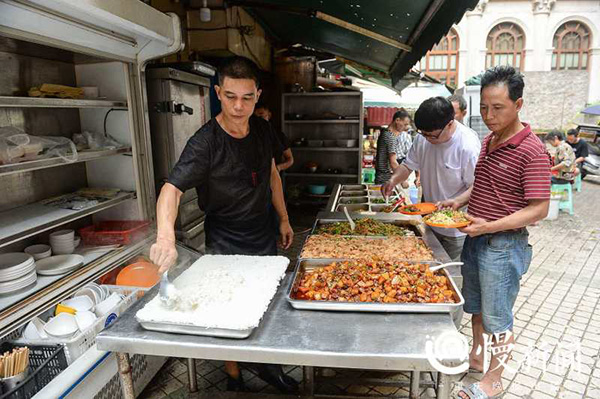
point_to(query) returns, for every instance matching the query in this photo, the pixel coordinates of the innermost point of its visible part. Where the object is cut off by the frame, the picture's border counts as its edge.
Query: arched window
(505, 46)
(571, 46)
(441, 62)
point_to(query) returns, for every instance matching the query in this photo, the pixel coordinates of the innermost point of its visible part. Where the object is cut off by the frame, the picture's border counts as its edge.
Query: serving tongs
(352, 224)
(438, 267)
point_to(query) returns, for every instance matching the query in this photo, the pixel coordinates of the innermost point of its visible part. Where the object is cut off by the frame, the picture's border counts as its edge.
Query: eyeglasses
(434, 136)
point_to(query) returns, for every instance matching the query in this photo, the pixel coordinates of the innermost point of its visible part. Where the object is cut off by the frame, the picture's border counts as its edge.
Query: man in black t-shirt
(283, 155)
(229, 162)
(580, 147)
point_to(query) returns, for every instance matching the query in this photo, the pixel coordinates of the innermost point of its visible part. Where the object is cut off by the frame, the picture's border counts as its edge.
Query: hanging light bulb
(205, 12)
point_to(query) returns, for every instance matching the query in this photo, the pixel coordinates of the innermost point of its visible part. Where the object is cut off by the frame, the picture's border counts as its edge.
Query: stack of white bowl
(62, 242)
(39, 251)
(17, 271)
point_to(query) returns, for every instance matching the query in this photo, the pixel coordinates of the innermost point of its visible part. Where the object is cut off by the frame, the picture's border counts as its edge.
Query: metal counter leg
(309, 380)
(125, 375)
(191, 366)
(443, 386)
(415, 379)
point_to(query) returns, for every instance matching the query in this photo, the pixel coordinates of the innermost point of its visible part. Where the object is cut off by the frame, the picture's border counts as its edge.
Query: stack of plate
(59, 264)
(62, 242)
(17, 271)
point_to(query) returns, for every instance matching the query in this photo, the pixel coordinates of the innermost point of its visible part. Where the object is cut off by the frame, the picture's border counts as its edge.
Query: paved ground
(557, 326)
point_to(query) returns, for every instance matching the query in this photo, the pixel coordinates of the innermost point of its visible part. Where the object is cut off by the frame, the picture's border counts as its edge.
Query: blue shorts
(492, 270)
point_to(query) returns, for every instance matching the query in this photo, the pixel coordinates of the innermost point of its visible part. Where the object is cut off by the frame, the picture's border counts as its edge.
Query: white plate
(6, 277)
(58, 264)
(18, 284)
(12, 261)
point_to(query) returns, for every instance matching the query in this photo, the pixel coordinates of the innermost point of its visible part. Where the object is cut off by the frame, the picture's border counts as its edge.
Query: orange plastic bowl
(139, 274)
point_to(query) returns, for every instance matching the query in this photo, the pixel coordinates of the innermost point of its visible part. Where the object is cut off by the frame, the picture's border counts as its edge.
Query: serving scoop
(438, 267)
(352, 224)
(165, 288)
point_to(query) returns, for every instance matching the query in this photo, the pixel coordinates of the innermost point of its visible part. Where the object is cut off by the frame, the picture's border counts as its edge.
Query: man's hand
(418, 181)
(388, 189)
(477, 227)
(451, 203)
(287, 234)
(163, 254)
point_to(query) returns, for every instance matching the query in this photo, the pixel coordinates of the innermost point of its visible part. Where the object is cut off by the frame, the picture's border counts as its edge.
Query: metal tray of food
(358, 193)
(309, 264)
(353, 200)
(195, 330)
(408, 224)
(353, 207)
(354, 187)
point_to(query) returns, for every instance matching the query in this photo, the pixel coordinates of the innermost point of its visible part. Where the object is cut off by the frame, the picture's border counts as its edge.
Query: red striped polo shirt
(511, 175)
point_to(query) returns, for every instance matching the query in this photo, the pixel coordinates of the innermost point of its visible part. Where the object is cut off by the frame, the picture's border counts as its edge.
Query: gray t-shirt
(447, 169)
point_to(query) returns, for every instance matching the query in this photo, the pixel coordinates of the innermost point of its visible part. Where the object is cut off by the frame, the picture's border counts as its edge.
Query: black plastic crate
(45, 363)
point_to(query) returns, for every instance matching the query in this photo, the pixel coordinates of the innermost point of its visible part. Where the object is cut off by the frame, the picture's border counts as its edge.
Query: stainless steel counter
(289, 336)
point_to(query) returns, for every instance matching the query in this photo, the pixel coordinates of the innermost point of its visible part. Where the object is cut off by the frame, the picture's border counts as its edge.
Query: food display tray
(310, 264)
(421, 239)
(195, 330)
(408, 224)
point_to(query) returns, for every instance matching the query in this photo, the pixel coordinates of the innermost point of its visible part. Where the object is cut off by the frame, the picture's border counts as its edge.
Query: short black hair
(573, 132)
(434, 114)
(401, 113)
(457, 98)
(262, 105)
(238, 67)
(507, 75)
(554, 134)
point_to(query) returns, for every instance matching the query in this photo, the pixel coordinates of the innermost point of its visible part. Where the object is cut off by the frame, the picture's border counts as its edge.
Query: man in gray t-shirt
(445, 152)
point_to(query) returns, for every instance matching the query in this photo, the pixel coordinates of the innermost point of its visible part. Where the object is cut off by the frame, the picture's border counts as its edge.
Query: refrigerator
(178, 106)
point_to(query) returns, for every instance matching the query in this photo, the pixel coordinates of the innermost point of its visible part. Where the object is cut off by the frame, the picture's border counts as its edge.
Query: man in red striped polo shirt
(511, 190)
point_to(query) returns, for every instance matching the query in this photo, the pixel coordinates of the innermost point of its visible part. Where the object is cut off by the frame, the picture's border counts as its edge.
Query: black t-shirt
(231, 176)
(580, 148)
(282, 144)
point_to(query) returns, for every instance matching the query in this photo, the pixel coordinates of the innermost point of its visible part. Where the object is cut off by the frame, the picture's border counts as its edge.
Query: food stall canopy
(387, 35)
(593, 110)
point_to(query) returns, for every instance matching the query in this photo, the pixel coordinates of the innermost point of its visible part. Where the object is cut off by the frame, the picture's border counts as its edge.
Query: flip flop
(474, 371)
(474, 392)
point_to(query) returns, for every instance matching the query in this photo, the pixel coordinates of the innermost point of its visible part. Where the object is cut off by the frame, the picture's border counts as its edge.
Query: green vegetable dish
(364, 227)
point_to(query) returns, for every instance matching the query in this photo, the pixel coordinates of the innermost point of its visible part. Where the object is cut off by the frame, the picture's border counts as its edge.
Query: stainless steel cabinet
(178, 104)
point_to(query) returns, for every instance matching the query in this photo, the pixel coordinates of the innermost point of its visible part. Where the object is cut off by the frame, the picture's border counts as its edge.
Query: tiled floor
(556, 307)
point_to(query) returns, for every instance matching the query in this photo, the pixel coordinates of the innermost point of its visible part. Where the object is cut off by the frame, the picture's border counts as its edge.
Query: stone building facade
(554, 43)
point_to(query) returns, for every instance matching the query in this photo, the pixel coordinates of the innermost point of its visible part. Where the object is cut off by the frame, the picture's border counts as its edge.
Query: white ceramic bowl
(61, 326)
(100, 294)
(77, 241)
(59, 250)
(79, 303)
(35, 330)
(84, 319)
(67, 234)
(39, 251)
(90, 293)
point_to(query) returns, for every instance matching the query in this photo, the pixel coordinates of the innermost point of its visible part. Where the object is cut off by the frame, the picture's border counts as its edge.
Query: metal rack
(41, 102)
(82, 156)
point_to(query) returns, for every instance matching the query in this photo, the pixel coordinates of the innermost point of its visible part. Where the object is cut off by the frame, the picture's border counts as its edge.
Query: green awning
(417, 24)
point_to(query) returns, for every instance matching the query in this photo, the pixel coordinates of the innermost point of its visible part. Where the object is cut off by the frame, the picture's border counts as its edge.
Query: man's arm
(289, 160)
(400, 175)
(579, 160)
(287, 234)
(457, 202)
(535, 211)
(393, 161)
(163, 252)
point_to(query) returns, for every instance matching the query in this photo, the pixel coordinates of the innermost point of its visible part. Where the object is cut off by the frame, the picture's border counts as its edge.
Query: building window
(505, 46)
(571, 46)
(441, 62)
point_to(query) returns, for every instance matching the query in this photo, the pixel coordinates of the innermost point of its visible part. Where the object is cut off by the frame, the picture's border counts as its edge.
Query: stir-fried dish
(364, 227)
(447, 217)
(356, 281)
(391, 248)
(378, 200)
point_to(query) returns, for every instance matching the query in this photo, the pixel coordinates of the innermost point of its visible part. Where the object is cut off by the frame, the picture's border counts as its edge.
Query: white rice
(220, 291)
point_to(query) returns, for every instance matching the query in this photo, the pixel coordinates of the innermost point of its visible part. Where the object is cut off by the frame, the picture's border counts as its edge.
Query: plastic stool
(577, 183)
(368, 176)
(568, 203)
